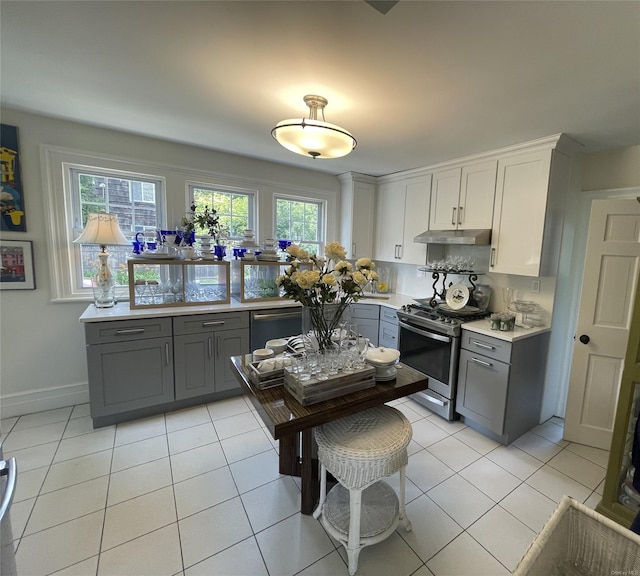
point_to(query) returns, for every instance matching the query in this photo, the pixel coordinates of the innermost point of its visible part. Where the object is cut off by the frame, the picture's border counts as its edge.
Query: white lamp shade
(314, 138)
(102, 229)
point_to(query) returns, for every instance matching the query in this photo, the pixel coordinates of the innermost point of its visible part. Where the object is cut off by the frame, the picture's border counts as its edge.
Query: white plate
(155, 256)
(457, 296)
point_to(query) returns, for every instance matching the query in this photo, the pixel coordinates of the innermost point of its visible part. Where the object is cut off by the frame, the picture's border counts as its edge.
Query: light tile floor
(197, 492)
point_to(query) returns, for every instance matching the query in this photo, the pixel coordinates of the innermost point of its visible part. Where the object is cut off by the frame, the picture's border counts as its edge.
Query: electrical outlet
(535, 286)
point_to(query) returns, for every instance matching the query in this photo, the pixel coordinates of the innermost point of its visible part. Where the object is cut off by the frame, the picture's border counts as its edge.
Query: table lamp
(103, 229)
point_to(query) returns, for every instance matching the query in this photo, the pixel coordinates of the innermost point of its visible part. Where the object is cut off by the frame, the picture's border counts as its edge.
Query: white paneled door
(610, 279)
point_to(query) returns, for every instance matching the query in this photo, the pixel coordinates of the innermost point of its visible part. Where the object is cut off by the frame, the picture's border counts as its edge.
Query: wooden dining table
(292, 424)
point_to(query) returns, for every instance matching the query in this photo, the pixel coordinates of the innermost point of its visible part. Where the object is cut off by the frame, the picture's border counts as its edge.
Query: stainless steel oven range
(429, 341)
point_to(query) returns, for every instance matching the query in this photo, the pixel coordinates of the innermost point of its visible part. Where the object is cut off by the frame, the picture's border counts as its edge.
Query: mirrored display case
(157, 284)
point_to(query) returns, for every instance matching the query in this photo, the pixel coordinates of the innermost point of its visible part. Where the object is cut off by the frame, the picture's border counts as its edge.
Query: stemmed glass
(362, 345)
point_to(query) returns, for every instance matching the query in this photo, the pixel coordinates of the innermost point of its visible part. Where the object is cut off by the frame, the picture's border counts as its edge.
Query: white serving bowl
(262, 354)
(278, 345)
(384, 361)
(383, 356)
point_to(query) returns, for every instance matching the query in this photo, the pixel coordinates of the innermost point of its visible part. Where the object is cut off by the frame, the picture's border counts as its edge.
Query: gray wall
(42, 361)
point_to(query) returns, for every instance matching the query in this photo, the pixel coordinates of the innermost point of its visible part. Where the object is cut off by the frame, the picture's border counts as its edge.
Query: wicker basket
(577, 541)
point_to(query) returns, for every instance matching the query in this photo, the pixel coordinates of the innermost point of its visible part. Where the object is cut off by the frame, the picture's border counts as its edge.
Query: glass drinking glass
(362, 345)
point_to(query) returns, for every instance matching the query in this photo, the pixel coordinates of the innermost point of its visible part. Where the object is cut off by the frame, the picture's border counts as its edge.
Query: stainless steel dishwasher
(270, 324)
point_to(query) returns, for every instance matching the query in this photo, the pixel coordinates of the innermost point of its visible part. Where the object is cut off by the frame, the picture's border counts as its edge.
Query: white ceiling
(427, 82)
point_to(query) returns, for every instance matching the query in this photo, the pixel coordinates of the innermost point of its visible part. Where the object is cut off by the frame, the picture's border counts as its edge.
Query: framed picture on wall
(12, 212)
(16, 258)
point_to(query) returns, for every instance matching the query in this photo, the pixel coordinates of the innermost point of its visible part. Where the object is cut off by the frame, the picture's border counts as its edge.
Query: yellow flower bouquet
(326, 287)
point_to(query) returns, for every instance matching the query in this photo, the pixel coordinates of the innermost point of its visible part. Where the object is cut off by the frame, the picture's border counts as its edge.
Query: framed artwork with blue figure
(12, 212)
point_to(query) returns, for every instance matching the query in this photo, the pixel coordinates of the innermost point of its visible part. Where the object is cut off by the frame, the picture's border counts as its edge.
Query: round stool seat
(379, 511)
(364, 447)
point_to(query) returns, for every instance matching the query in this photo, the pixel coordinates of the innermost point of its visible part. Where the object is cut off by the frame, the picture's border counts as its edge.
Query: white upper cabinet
(357, 205)
(402, 212)
(462, 198)
(531, 191)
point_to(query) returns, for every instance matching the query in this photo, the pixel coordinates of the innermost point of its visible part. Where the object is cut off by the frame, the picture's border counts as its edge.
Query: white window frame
(322, 218)
(64, 219)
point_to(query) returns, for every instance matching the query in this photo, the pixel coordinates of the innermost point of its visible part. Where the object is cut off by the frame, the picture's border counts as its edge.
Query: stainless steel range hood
(468, 237)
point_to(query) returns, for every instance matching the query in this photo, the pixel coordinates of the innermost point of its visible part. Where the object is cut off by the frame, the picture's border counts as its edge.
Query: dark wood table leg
(290, 457)
(310, 480)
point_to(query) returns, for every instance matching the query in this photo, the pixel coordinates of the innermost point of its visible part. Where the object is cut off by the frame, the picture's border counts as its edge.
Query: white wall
(42, 349)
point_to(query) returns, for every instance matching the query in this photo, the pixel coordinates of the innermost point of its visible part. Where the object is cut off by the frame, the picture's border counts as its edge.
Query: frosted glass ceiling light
(313, 137)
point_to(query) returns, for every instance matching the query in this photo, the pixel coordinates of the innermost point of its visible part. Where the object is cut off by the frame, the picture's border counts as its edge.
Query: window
(235, 208)
(78, 183)
(132, 198)
(301, 221)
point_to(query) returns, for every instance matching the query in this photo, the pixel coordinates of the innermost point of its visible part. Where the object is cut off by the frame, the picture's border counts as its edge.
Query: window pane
(132, 200)
(235, 209)
(301, 222)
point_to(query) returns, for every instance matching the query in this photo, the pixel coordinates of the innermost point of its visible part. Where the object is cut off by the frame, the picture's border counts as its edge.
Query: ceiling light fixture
(313, 137)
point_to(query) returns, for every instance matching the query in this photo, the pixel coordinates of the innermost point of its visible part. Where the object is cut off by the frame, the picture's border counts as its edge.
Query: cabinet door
(228, 343)
(357, 218)
(125, 376)
(445, 192)
(368, 328)
(482, 390)
(519, 214)
(477, 193)
(416, 219)
(194, 365)
(389, 221)
(362, 221)
(388, 335)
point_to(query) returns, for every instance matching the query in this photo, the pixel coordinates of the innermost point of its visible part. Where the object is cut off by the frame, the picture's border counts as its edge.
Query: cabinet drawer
(388, 315)
(125, 330)
(201, 323)
(487, 346)
(371, 311)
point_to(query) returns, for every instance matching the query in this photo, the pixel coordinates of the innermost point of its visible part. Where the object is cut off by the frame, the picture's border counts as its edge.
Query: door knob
(584, 339)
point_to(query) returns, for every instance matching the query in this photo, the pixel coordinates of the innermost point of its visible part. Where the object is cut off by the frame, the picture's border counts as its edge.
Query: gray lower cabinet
(500, 384)
(388, 331)
(147, 366)
(366, 317)
(130, 365)
(203, 345)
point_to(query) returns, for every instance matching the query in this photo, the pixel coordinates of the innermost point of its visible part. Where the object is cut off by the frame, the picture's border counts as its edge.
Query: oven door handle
(430, 335)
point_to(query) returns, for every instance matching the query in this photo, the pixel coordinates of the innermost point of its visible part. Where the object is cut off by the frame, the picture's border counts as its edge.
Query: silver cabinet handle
(459, 214)
(492, 261)
(9, 469)
(166, 353)
(213, 323)
(481, 345)
(453, 216)
(296, 314)
(218, 347)
(210, 342)
(129, 331)
(481, 362)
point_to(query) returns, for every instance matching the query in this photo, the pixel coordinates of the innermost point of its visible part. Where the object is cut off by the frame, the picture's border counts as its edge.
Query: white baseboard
(41, 399)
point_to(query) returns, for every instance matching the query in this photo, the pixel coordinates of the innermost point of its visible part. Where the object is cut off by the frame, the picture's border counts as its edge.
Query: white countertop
(121, 311)
(484, 327)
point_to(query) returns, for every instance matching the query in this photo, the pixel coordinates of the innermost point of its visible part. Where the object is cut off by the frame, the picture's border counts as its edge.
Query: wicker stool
(359, 450)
